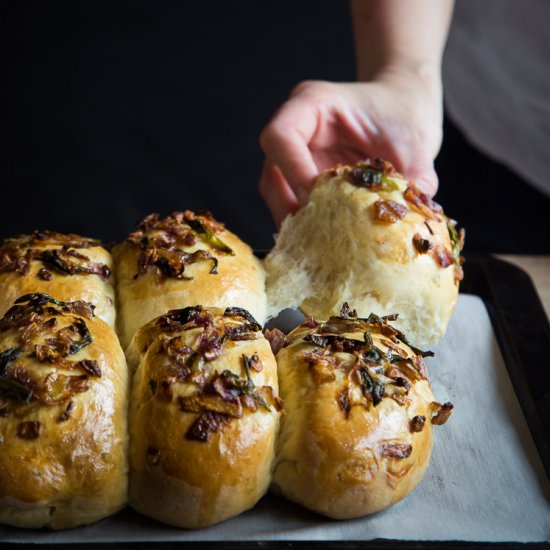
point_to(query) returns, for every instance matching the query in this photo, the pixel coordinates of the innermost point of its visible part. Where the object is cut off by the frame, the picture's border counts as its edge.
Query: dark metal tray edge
(523, 333)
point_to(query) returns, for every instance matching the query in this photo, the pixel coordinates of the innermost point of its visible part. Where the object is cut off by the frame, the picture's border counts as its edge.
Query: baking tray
(523, 334)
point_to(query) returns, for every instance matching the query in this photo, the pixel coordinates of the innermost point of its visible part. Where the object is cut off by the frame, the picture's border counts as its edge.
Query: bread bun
(63, 415)
(357, 435)
(368, 237)
(203, 416)
(66, 266)
(184, 259)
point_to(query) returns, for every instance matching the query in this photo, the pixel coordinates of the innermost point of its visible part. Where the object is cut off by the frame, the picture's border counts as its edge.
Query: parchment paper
(485, 481)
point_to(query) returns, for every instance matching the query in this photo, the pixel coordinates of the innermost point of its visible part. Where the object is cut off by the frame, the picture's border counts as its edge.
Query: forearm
(400, 36)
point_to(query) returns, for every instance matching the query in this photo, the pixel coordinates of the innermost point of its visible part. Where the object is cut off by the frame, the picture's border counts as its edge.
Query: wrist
(423, 77)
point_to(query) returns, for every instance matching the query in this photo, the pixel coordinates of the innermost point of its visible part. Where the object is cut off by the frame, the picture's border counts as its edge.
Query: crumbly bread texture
(357, 435)
(184, 259)
(63, 415)
(203, 416)
(368, 237)
(67, 266)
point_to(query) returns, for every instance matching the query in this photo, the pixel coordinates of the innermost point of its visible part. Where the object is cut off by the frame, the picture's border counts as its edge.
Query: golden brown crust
(203, 417)
(67, 266)
(383, 246)
(184, 259)
(63, 403)
(357, 435)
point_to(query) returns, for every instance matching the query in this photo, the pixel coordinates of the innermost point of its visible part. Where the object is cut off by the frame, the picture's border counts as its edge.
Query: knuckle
(313, 88)
(267, 136)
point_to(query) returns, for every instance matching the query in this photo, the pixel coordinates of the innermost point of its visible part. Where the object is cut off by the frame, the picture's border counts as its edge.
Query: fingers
(323, 124)
(414, 159)
(277, 193)
(285, 141)
(424, 177)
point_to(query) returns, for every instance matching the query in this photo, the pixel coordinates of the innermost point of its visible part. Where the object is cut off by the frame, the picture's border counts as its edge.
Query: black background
(112, 110)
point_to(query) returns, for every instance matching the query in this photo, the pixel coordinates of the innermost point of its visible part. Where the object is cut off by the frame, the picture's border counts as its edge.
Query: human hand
(397, 117)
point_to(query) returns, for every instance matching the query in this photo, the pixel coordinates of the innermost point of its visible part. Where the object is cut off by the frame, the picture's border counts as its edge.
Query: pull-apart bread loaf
(369, 237)
(63, 415)
(66, 266)
(184, 259)
(357, 435)
(204, 413)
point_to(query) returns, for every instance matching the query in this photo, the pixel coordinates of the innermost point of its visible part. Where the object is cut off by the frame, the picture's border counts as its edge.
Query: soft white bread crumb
(335, 250)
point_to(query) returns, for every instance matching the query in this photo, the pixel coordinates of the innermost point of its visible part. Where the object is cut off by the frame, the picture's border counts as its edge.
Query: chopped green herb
(86, 337)
(368, 339)
(366, 175)
(456, 241)
(374, 355)
(249, 384)
(38, 299)
(373, 177)
(390, 184)
(6, 357)
(209, 236)
(371, 387)
(416, 350)
(14, 390)
(373, 318)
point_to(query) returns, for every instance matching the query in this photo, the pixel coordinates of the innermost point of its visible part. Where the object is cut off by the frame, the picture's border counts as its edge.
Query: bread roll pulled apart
(204, 413)
(184, 259)
(64, 265)
(369, 237)
(357, 434)
(63, 415)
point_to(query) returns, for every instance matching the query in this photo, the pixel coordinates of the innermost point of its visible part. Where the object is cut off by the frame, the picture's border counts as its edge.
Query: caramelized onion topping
(48, 331)
(162, 243)
(29, 430)
(276, 338)
(205, 425)
(217, 397)
(185, 319)
(372, 370)
(346, 312)
(389, 211)
(153, 456)
(56, 252)
(396, 450)
(432, 211)
(44, 274)
(420, 244)
(67, 412)
(226, 395)
(417, 423)
(443, 257)
(440, 413)
(423, 203)
(321, 365)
